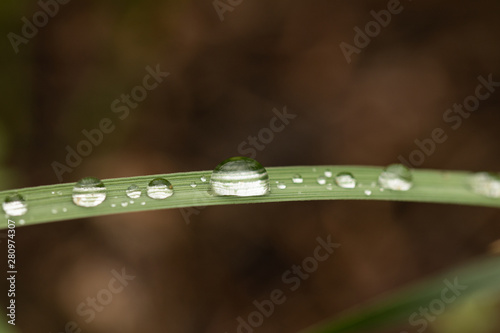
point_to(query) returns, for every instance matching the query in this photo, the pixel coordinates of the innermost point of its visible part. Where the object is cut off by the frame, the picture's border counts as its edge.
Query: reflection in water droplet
(281, 185)
(297, 179)
(15, 205)
(239, 176)
(133, 192)
(89, 192)
(345, 180)
(160, 188)
(321, 180)
(486, 184)
(396, 177)
(328, 173)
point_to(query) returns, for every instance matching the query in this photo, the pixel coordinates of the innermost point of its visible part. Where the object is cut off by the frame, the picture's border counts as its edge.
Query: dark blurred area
(225, 78)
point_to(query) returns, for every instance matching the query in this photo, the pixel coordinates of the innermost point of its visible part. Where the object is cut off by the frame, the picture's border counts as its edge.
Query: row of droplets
(243, 176)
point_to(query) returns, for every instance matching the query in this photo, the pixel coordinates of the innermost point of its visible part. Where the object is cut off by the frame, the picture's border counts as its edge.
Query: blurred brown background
(225, 79)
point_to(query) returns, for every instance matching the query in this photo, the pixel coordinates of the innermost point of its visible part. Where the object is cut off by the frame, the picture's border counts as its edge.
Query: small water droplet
(328, 173)
(143, 203)
(113, 205)
(54, 211)
(241, 177)
(124, 204)
(321, 180)
(486, 184)
(203, 179)
(159, 188)
(22, 222)
(131, 202)
(53, 192)
(133, 192)
(89, 192)
(345, 180)
(281, 185)
(396, 177)
(297, 179)
(15, 205)
(329, 186)
(65, 210)
(59, 192)
(193, 184)
(314, 169)
(368, 192)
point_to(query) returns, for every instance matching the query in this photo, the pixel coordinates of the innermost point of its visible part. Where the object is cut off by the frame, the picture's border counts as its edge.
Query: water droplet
(131, 202)
(329, 186)
(328, 173)
(65, 210)
(15, 205)
(22, 222)
(345, 180)
(89, 192)
(368, 192)
(159, 188)
(113, 205)
(133, 192)
(241, 177)
(486, 184)
(193, 184)
(59, 192)
(396, 177)
(281, 185)
(54, 211)
(297, 179)
(124, 204)
(53, 192)
(203, 179)
(143, 203)
(321, 180)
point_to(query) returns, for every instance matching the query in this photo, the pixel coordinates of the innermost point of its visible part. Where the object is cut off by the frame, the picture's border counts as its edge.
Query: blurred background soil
(225, 79)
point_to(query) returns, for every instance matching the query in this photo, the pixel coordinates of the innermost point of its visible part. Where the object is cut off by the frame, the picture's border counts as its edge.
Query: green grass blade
(481, 276)
(54, 203)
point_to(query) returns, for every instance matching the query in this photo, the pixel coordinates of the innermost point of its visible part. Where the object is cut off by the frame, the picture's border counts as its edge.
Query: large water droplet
(133, 192)
(241, 177)
(160, 188)
(89, 192)
(345, 180)
(297, 179)
(485, 183)
(15, 205)
(396, 177)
